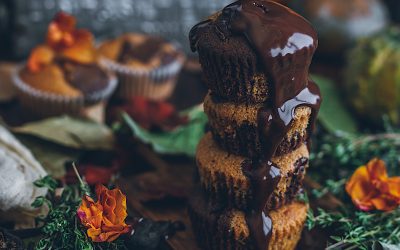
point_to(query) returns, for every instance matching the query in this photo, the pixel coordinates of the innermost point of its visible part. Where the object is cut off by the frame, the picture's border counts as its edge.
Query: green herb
(61, 227)
(334, 160)
(352, 229)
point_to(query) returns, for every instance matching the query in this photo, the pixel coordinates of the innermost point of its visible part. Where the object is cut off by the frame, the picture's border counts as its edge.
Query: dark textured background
(23, 22)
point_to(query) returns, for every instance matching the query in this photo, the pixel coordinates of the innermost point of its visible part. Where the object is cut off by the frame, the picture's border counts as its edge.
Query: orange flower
(72, 43)
(105, 218)
(63, 40)
(40, 57)
(371, 188)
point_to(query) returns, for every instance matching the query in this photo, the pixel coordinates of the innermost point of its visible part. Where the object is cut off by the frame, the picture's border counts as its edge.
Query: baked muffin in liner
(154, 81)
(227, 229)
(235, 127)
(223, 175)
(46, 103)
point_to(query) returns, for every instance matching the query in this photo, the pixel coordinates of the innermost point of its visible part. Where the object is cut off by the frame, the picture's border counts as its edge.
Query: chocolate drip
(264, 176)
(285, 43)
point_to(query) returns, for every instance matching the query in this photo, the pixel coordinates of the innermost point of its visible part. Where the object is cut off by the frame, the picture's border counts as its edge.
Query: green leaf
(182, 140)
(71, 132)
(38, 202)
(333, 114)
(47, 182)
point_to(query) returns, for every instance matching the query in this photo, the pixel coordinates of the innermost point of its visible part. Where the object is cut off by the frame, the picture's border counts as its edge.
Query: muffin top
(67, 78)
(66, 64)
(140, 51)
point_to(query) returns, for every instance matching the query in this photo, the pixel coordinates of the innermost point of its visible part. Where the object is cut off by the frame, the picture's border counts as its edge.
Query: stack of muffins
(261, 106)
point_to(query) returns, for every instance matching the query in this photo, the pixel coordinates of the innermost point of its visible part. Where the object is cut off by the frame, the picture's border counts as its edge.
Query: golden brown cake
(50, 79)
(235, 127)
(217, 228)
(224, 178)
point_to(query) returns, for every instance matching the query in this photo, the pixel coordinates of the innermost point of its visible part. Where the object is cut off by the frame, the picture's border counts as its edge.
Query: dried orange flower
(40, 57)
(371, 188)
(72, 43)
(105, 218)
(63, 40)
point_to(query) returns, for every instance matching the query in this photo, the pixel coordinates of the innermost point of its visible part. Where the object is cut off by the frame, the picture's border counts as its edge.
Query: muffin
(63, 77)
(217, 228)
(236, 71)
(145, 65)
(225, 179)
(236, 129)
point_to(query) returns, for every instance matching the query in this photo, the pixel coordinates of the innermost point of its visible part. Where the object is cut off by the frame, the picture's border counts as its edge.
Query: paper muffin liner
(156, 84)
(45, 104)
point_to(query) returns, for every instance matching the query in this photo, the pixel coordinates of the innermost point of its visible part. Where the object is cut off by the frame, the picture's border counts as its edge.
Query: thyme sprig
(61, 228)
(334, 159)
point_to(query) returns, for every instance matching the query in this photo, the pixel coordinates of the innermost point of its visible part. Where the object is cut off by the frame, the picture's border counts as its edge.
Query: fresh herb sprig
(334, 159)
(61, 228)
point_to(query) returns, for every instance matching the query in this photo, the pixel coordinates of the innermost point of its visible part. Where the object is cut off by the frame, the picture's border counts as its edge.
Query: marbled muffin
(63, 75)
(71, 79)
(235, 127)
(224, 178)
(230, 65)
(63, 88)
(216, 228)
(146, 65)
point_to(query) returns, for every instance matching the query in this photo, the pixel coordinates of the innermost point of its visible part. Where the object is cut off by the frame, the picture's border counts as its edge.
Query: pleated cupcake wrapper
(46, 104)
(156, 84)
(104, 94)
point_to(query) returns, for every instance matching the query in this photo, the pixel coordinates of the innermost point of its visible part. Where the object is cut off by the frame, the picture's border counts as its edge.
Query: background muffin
(63, 75)
(145, 65)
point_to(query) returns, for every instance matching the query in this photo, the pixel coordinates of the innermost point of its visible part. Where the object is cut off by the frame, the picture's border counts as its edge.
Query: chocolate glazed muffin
(235, 127)
(230, 66)
(223, 175)
(218, 228)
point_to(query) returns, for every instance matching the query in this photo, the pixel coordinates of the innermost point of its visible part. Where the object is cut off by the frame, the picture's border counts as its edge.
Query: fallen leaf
(71, 132)
(181, 140)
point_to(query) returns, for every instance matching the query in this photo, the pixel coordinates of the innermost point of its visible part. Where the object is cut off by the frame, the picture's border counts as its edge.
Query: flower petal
(39, 57)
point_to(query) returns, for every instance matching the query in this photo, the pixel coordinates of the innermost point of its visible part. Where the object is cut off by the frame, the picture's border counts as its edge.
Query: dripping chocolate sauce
(285, 43)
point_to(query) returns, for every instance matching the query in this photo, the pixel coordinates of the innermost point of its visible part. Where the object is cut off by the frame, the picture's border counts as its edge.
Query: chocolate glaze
(264, 176)
(285, 43)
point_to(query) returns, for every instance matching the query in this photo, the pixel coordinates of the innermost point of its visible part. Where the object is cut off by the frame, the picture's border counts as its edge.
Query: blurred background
(23, 23)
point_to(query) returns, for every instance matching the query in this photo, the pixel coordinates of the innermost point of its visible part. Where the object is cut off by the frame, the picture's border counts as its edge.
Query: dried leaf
(52, 157)
(70, 132)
